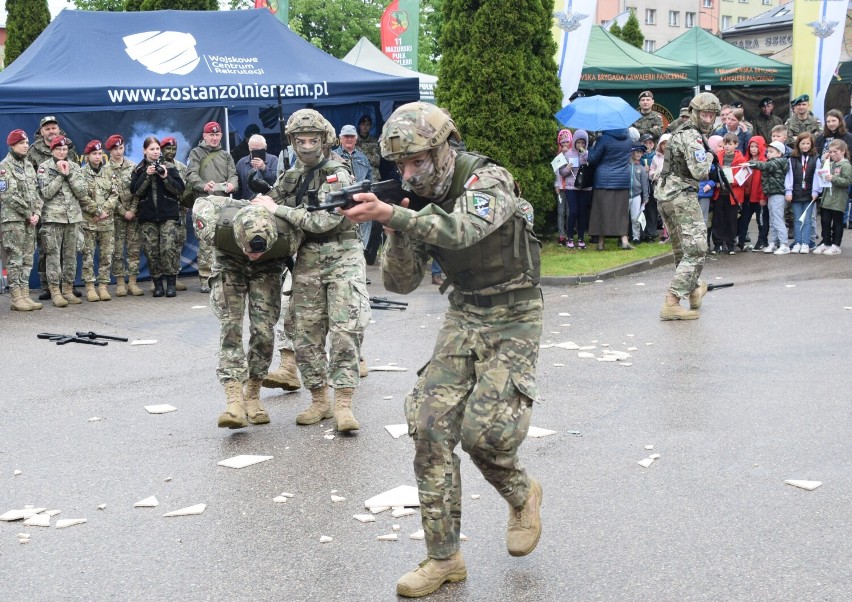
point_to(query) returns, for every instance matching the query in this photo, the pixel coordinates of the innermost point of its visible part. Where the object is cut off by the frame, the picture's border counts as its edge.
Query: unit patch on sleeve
(481, 204)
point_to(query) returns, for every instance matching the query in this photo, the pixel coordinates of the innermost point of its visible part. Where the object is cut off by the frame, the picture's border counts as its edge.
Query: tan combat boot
(68, 293)
(320, 407)
(103, 293)
(251, 401)
(91, 293)
(18, 303)
(120, 287)
(672, 310)
(133, 288)
(234, 416)
(524, 528)
(362, 368)
(179, 286)
(286, 376)
(56, 296)
(696, 296)
(430, 575)
(25, 297)
(343, 415)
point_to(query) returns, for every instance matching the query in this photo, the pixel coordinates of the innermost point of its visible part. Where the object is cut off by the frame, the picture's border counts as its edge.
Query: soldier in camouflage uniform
(128, 236)
(64, 194)
(650, 122)
(686, 161)
(329, 299)
(209, 170)
(20, 211)
(169, 149)
(250, 247)
(479, 387)
(369, 145)
(99, 226)
(801, 120)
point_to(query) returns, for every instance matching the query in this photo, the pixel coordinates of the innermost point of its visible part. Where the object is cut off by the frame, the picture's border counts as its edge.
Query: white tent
(367, 56)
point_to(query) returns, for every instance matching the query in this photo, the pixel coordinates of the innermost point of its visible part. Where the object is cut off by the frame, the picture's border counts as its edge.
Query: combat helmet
(413, 128)
(305, 121)
(703, 102)
(255, 229)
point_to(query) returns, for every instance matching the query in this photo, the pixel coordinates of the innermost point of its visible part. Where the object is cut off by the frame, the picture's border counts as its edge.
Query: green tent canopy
(612, 64)
(719, 63)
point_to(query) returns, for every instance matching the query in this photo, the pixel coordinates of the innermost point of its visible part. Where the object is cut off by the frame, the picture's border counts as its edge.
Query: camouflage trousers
(233, 288)
(160, 243)
(59, 243)
(104, 240)
(330, 301)
(19, 245)
(182, 228)
(478, 389)
(285, 341)
(688, 235)
(127, 235)
(204, 261)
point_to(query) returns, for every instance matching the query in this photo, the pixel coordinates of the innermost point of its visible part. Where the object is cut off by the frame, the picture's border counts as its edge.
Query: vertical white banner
(571, 29)
(823, 22)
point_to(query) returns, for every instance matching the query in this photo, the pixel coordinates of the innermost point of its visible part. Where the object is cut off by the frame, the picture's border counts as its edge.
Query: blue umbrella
(598, 113)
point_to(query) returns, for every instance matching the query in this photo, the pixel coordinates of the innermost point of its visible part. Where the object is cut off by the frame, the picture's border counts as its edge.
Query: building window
(726, 21)
(650, 16)
(767, 2)
(674, 18)
(689, 20)
(650, 46)
(741, 19)
(743, 1)
(707, 3)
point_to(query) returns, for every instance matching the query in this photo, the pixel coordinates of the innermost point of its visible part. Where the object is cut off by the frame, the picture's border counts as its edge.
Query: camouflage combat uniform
(19, 201)
(127, 233)
(158, 216)
(650, 123)
(686, 162)
(64, 197)
(370, 147)
(104, 194)
(183, 206)
(796, 126)
(208, 164)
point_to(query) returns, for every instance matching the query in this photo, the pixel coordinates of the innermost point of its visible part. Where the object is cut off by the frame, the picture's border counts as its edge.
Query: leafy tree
(106, 5)
(615, 30)
(431, 24)
(239, 4)
(631, 33)
(336, 27)
(497, 76)
(25, 20)
(179, 5)
(133, 5)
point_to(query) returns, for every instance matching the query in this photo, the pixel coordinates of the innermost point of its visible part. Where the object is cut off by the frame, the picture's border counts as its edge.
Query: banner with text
(817, 37)
(279, 8)
(400, 32)
(571, 28)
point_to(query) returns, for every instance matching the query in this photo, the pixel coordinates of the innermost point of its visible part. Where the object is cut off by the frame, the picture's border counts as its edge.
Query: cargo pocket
(503, 422)
(414, 400)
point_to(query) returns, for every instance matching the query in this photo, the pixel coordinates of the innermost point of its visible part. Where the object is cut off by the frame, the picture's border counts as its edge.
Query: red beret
(92, 146)
(58, 141)
(113, 141)
(15, 136)
(211, 127)
(168, 141)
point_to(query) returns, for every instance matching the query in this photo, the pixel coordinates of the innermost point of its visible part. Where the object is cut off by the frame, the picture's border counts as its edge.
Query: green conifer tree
(179, 5)
(497, 76)
(631, 33)
(25, 20)
(615, 30)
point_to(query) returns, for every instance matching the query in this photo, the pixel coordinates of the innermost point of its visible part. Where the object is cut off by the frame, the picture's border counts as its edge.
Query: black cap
(638, 149)
(737, 104)
(645, 137)
(766, 101)
(800, 99)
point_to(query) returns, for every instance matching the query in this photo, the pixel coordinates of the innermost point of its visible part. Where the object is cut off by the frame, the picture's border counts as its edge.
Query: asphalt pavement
(752, 394)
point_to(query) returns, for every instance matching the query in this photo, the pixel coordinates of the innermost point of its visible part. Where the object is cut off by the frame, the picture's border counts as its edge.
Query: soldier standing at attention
(127, 234)
(209, 170)
(98, 227)
(650, 121)
(20, 209)
(479, 387)
(801, 119)
(686, 161)
(168, 146)
(329, 299)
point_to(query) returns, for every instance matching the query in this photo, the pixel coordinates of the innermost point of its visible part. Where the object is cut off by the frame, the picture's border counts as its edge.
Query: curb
(624, 270)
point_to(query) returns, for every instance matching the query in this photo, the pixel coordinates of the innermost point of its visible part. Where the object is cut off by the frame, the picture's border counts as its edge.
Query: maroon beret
(58, 141)
(113, 141)
(92, 146)
(168, 141)
(15, 136)
(211, 127)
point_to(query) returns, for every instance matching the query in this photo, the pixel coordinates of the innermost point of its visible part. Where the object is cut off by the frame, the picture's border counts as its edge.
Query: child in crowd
(833, 202)
(704, 200)
(779, 134)
(726, 200)
(653, 176)
(801, 188)
(649, 233)
(773, 171)
(579, 200)
(754, 201)
(638, 190)
(563, 142)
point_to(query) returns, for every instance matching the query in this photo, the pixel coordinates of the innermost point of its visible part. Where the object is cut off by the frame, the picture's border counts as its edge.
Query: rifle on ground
(389, 191)
(712, 287)
(385, 303)
(94, 335)
(64, 339)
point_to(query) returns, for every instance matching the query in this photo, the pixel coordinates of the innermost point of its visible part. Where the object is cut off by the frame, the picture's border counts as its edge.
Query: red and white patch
(199, 225)
(331, 179)
(471, 181)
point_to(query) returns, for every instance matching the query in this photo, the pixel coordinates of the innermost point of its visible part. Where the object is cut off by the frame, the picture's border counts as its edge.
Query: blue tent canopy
(103, 61)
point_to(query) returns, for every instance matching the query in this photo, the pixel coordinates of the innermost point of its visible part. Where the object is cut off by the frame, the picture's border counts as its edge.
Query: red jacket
(753, 185)
(737, 193)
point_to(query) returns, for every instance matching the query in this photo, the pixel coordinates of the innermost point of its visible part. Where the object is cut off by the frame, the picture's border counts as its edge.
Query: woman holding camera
(158, 186)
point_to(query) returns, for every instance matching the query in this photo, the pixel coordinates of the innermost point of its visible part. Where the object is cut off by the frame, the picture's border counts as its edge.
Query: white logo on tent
(163, 51)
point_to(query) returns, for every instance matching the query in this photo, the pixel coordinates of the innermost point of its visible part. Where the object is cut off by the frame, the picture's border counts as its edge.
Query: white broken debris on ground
(807, 485)
(162, 408)
(364, 518)
(329, 437)
(474, 496)
(102, 507)
(148, 502)
(400, 512)
(570, 345)
(279, 499)
(326, 539)
(388, 537)
(607, 358)
(395, 527)
(144, 342)
(25, 513)
(587, 347)
(649, 447)
(417, 535)
(94, 419)
(397, 430)
(536, 432)
(69, 522)
(18, 472)
(39, 520)
(243, 460)
(188, 511)
(847, 307)
(198, 307)
(789, 285)
(585, 355)
(388, 397)
(646, 462)
(379, 509)
(401, 496)
(558, 365)
(337, 498)
(387, 368)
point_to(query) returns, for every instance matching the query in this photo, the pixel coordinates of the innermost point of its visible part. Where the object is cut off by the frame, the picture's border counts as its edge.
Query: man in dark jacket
(766, 120)
(257, 159)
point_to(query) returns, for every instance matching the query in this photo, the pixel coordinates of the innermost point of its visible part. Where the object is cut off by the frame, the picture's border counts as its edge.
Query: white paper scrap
(188, 511)
(536, 432)
(326, 539)
(474, 496)
(18, 472)
(39, 520)
(386, 397)
(567, 345)
(94, 419)
(649, 447)
(285, 494)
(199, 307)
(396, 527)
(655, 456)
(69, 522)
(808, 485)
(397, 430)
(388, 537)
(53, 512)
(102, 507)
(403, 495)
(148, 502)
(364, 518)
(379, 509)
(564, 314)
(387, 368)
(329, 437)
(243, 461)
(417, 535)
(162, 408)
(403, 512)
(279, 499)
(558, 365)
(144, 342)
(646, 462)
(337, 498)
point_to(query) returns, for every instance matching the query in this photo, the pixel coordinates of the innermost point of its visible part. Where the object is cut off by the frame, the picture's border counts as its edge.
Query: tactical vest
(289, 183)
(676, 164)
(507, 252)
(285, 245)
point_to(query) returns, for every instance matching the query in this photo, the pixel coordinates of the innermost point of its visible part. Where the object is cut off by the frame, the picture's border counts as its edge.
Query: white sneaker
(819, 250)
(832, 250)
(771, 248)
(797, 248)
(782, 250)
(805, 250)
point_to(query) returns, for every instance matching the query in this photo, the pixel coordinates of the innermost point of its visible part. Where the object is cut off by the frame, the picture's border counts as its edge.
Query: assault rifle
(64, 339)
(385, 303)
(712, 287)
(389, 191)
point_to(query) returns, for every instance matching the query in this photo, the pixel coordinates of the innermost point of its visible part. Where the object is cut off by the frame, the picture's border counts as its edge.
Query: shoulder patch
(701, 155)
(480, 204)
(3, 185)
(41, 170)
